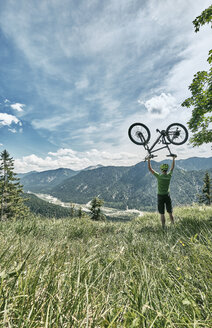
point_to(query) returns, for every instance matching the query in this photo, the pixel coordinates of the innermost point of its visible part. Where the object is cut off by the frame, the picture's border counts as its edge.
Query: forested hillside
(46, 180)
(132, 187)
(194, 163)
(41, 207)
(120, 187)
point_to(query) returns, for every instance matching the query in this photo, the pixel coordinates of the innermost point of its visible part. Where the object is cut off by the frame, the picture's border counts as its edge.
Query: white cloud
(13, 130)
(18, 107)
(74, 160)
(51, 123)
(82, 84)
(120, 49)
(63, 152)
(193, 59)
(160, 106)
(7, 119)
(67, 158)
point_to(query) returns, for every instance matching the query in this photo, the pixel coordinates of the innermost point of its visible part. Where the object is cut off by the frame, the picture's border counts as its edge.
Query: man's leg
(161, 209)
(171, 218)
(163, 221)
(169, 208)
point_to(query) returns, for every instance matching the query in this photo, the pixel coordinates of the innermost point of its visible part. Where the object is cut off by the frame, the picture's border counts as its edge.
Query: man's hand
(148, 157)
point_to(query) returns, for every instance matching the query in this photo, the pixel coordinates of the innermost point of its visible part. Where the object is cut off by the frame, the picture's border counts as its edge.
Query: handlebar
(150, 156)
(171, 155)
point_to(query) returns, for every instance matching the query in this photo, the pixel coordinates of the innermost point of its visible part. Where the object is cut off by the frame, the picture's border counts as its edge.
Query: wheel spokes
(176, 133)
(139, 134)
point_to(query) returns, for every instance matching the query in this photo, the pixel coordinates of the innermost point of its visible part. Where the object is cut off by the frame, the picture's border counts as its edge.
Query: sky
(76, 74)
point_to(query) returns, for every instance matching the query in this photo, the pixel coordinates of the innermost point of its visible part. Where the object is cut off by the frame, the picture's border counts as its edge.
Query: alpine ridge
(121, 186)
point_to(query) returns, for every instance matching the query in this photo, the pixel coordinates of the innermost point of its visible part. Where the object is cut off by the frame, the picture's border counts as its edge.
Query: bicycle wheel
(139, 134)
(177, 133)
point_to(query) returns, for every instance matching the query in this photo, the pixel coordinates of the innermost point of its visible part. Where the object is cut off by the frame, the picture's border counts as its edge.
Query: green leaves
(201, 94)
(204, 18)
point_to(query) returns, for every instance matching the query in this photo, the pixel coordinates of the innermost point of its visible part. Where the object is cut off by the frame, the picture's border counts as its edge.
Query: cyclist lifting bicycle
(176, 134)
(164, 198)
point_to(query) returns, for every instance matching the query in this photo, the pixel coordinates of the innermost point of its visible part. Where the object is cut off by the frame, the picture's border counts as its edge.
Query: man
(163, 189)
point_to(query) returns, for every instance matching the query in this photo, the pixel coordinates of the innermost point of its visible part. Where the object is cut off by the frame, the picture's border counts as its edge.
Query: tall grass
(79, 273)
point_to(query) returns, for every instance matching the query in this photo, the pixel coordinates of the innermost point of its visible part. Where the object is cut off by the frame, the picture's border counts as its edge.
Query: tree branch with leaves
(201, 94)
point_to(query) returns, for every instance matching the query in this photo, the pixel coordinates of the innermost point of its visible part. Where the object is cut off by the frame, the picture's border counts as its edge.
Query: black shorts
(162, 201)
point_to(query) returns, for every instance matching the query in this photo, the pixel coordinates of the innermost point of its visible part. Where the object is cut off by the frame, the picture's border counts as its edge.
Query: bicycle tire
(177, 133)
(134, 134)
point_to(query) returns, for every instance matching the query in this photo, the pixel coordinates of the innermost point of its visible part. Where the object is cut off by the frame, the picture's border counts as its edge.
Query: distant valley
(120, 187)
(63, 209)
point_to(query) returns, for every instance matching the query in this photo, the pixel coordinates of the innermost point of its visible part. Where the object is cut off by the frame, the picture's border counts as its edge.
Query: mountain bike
(175, 134)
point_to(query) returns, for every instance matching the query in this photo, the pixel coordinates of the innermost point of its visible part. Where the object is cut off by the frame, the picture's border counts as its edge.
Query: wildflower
(182, 243)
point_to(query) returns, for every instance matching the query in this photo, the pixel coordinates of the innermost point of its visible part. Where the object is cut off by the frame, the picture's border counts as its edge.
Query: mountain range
(120, 186)
(46, 180)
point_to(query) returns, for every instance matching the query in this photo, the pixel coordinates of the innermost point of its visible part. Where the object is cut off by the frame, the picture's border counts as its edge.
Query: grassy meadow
(78, 273)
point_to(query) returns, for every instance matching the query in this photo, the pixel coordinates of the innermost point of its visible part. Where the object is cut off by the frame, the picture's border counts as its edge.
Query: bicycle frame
(161, 138)
(176, 134)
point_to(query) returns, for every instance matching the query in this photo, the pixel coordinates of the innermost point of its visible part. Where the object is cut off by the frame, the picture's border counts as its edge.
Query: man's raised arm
(149, 167)
(173, 162)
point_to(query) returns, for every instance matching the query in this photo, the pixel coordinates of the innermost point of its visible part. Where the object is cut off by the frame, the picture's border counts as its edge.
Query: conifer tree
(72, 211)
(206, 196)
(11, 201)
(80, 212)
(96, 213)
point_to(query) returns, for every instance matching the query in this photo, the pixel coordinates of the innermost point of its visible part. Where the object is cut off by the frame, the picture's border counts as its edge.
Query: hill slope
(72, 272)
(195, 163)
(192, 163)
(120, 187)
(132, 187)
(39, 206)
(101, 182)
(46, 180)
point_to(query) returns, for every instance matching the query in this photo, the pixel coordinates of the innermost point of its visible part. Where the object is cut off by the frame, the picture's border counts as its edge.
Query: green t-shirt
(163, 182)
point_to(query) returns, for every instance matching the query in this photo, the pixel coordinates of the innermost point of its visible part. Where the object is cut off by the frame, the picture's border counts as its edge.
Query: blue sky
(76, 74)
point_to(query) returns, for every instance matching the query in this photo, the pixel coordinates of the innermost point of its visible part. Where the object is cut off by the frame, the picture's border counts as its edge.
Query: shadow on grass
(186, 227)
(190, 226)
